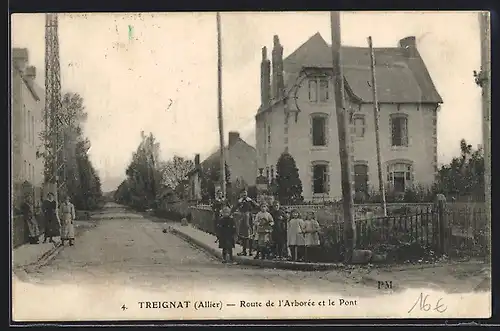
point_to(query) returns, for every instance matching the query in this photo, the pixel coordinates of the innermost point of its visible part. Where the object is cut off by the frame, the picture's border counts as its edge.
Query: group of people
(273, 233)
(56, 222)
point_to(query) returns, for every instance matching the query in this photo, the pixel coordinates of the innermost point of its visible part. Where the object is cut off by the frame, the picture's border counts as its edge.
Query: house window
(319, 130)
(399, 176)
(320, 178)
(272, 172)
(324, 96)
(313, 90)
(399, 129)
(269, 135)
(319, 90)
(33, 173)
(267, 173)
(361, 178)
(359, 125)
(25, 169)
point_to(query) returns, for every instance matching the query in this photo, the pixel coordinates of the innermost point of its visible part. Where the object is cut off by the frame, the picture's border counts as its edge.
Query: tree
(174, 171)
(143, 175)
(82, 181)
(210, 178)
(464, 175)
(288, 184)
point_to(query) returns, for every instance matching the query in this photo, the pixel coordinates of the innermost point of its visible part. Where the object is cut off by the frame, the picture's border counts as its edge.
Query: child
(264, 222)
(226, 233)
(311, 229)
(295, 237)
(279, 230)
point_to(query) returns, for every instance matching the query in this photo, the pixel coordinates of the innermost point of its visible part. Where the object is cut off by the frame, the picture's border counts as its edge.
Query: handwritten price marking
(423, 305)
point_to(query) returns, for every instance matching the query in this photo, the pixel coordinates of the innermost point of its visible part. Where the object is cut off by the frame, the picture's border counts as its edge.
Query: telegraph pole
(219, 96)
(376, 113)
(483, 79)
(54, 124)
(348, 204)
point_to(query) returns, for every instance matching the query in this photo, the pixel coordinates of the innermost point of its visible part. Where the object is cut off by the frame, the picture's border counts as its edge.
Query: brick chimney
(277, 57)
(410, 46)
(30, 73)
(265, 78)
(233, 137)
(20, 58)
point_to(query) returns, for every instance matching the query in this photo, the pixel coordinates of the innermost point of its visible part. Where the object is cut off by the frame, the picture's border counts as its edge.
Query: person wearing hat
(218, 204)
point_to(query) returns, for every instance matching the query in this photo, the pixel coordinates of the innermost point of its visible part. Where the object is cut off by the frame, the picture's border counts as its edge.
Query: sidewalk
(207, 242)
(27, 254)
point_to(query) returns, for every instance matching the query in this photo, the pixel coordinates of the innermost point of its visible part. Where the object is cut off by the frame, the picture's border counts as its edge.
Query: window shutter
(312, 179)
(311, 131)
(388, 174)
(404, 131)
(327, 181)
(391, 130)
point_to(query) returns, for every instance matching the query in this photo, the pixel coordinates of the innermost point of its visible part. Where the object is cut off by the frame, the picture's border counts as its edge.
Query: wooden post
(220, 115)
(376, 112)
(348, 204)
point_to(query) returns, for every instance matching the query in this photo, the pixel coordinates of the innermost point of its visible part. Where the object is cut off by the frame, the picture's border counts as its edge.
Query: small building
(240, 159)
(297, 115)
(27, 124)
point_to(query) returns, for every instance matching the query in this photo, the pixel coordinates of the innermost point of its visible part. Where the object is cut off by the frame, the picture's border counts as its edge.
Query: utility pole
(348, 204)
(483, 79)
(219, 96)
(376, 113)
(54, 123)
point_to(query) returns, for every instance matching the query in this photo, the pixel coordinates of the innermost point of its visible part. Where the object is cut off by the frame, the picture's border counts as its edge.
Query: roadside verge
(206, 242)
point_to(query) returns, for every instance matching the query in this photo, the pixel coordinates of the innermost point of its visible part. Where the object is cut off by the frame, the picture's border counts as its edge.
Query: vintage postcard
(250, 165)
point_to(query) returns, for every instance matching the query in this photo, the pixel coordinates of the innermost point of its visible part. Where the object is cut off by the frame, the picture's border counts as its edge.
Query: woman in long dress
(51, 216)
(245, 206)
(67, 227)
(29, 218)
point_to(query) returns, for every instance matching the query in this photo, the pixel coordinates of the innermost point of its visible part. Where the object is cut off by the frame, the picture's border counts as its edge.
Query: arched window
(399, 175)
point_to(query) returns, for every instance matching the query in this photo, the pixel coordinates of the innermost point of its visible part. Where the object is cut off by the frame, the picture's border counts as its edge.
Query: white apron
(67, 217)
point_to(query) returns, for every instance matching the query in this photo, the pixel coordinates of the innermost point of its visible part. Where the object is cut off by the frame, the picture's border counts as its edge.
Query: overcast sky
(160, 75)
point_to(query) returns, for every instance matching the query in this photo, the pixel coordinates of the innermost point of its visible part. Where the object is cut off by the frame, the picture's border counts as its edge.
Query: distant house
(241, 161)
(297, 115)
(27, 123)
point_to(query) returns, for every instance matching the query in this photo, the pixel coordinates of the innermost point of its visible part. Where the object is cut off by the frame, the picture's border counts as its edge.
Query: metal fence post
(440, 205)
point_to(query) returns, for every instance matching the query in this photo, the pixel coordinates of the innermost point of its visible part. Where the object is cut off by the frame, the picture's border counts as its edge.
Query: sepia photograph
(250, 166)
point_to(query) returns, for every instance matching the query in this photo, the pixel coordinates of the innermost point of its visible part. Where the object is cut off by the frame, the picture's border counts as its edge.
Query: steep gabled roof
(400, 79)
(214, 157)
(29, 84)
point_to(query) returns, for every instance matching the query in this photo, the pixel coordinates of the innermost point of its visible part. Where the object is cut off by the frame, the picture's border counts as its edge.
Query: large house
(27, 124)
(240, 158)
(297, 115)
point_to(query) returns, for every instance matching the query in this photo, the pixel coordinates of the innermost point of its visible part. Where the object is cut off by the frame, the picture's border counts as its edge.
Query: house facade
(27, 123)
(241, 159)
(297, 115)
